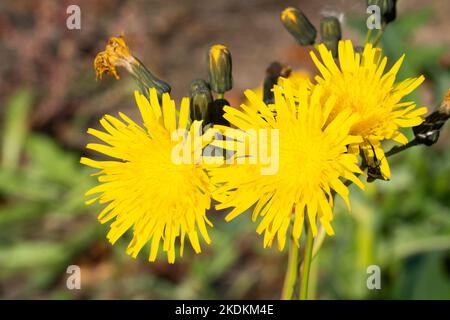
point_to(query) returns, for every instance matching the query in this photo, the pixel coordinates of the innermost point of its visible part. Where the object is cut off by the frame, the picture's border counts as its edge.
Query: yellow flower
(144, 188)
(312, 153)
(360, 83)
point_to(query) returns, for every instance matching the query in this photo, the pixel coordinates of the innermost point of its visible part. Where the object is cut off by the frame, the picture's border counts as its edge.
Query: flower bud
(331, 45)
(299, 26)
(388, 9)
(220, 65)
(201, 100)
(330, 28)
(330, 32)
(428, 132)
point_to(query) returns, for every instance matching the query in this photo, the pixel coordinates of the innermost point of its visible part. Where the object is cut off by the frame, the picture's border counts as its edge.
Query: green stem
(398, 149)
(220, 95)
(306, 265)
(368, 36)
(291, 272)
(377, 37)
(318, 242)
(313, 277)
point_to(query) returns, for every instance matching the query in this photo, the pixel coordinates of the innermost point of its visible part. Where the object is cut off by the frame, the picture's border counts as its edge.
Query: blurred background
(49, 97)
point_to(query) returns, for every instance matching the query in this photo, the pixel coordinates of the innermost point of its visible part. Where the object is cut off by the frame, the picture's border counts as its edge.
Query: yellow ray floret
(144, 189)
(361, 84)
(312, 160)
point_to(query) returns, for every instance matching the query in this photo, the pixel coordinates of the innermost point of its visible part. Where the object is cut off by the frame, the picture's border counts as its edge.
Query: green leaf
(15, 129)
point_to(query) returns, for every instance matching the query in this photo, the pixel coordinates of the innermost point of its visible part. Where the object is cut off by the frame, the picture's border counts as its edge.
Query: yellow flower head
(144, 188)
(312, 155)
(116, 54)
(359, 83)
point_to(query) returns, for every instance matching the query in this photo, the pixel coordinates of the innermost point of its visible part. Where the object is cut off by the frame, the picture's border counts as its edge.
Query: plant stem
(398, 149)
(377, 37)
(318, 242)
(313, 276)
(306, 265)
(291, 272)
(368, 36)
(311, 250)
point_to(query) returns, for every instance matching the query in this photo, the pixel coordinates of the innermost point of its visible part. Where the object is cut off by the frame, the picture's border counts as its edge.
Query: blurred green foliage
(40, 183)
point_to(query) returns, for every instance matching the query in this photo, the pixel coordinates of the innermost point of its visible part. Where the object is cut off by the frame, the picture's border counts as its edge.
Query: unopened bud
(330, 28)
(428, 132)
(201, 100)
(220, 68)
(330, 32)
(331, 45)
(299, 26)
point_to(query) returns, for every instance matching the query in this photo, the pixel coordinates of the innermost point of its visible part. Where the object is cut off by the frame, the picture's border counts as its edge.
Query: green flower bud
(299, 26)
(330, 28)
(331, 45)
(428, 132)
(330, 32)
(220, 65)
(387, 9)
(201, 100)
